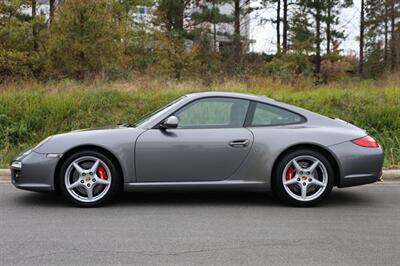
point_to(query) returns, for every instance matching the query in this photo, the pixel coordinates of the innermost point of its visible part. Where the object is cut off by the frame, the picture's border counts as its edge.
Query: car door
(209, 144)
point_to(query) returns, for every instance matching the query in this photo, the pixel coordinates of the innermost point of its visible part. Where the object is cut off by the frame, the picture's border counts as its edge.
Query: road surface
(357, 226)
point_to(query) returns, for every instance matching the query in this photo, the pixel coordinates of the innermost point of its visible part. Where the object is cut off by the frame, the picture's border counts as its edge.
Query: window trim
(252, 107)
(157, 126)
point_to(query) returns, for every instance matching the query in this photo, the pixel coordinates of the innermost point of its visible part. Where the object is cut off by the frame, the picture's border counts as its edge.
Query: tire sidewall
(277, 184)
(115, 180)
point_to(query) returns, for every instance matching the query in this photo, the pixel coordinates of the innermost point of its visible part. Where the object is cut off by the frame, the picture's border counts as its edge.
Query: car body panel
(190, 154)
(120, 141)
(37, 173)
(150, 157)
(359, 165)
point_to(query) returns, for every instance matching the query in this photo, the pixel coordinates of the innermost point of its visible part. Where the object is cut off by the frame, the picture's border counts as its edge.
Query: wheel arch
(326, 152)
(73, 150)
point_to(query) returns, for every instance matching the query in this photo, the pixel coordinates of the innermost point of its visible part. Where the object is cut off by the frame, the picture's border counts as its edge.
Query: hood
(118, 126)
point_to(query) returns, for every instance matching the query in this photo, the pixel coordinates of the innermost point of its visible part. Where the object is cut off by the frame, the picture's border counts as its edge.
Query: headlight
(16, 165)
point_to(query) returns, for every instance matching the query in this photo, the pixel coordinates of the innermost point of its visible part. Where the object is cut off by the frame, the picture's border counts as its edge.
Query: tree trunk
(318, 37)
(285, 26)
(237, 38)
(278, 27)
(34, 27)
(214, 27)
(82, 57)
(386, 22)
(52, 8)
(328, 28)
(393, 55)
(362, 29)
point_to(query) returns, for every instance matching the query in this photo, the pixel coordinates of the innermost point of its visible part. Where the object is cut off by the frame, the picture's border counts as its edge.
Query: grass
(31, 111)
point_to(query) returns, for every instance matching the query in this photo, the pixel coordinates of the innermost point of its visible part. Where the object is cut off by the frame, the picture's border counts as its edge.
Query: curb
(4, 176)
(391, 175)
(388, 175)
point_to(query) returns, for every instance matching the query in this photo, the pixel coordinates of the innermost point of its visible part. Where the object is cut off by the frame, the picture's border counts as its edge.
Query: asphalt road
(355, 226)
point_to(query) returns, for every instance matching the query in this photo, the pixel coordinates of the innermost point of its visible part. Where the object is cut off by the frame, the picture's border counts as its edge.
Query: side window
(213, 113)
(268, 115)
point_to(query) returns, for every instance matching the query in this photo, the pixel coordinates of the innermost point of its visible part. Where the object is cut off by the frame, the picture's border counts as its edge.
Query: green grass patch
(29, 112)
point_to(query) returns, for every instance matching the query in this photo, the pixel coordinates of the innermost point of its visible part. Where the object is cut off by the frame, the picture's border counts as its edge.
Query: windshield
(150, 115)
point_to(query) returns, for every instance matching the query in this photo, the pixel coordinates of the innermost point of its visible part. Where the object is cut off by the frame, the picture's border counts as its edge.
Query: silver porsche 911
(206, 140)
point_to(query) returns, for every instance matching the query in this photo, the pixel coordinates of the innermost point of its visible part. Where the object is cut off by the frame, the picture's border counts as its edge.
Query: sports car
(208, 140)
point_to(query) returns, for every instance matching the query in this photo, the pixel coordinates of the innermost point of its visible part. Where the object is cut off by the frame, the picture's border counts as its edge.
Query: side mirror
(170, 122)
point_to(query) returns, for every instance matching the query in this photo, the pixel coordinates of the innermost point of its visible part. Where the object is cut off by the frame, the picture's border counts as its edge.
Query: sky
(265, 35)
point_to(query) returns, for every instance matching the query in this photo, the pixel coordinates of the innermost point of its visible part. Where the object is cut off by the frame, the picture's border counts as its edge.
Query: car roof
(246, 96)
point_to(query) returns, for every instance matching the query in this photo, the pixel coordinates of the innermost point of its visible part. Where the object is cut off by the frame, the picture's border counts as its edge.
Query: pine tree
(209, 13)
(332, 10)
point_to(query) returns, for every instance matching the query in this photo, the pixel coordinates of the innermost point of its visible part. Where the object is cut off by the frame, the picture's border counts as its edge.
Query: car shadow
(195, 198)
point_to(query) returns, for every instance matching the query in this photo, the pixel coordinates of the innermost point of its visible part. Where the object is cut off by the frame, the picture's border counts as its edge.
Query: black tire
(116, 180)
(277, 182)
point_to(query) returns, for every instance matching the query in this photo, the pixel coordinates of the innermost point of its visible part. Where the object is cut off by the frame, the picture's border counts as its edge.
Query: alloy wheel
(88, 179)
(305, 178)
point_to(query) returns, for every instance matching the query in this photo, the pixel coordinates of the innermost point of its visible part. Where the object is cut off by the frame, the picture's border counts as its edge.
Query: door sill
(208, 185)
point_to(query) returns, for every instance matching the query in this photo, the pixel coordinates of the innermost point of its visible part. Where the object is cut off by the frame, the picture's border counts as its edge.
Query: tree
(362, 31)
(170, 18)
(379, 37)
(394, 13)
(386, 31)
(277, 21)
(285, 26)
(34, 27)
(241, 9)
(316, 9)
(332, 10)
(19, 40)
(301, 35)
(52, 9)
(210, 13)
(85, 39)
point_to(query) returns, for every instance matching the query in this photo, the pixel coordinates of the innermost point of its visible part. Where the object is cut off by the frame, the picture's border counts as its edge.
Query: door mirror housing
(170, 122)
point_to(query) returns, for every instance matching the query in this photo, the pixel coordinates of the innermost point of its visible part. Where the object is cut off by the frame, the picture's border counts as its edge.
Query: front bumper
(34, 172)
(358, 165)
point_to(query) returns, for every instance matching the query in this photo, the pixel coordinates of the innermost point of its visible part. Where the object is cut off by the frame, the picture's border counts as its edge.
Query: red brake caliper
(289, 175)
(101, 172)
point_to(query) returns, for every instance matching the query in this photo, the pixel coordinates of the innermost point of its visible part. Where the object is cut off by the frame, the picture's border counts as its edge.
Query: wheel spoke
(95, 166)
(89, 191)
(313, 167)
(74, 185)
(291, 181)
(296, 165)
(318, 183)
(78, 168)
(303, 192)
(102, 181)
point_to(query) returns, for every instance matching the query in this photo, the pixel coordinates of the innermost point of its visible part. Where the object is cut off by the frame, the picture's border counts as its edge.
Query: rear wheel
(303, 178)
(89, 178)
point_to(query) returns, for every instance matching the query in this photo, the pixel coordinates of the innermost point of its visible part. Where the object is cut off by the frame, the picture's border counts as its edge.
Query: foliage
(288, 67)
(85, 39)
(17, 58)
(58, 107)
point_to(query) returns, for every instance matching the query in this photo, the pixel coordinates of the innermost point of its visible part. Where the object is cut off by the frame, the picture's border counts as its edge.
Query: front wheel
(89, 178)
(303, 178)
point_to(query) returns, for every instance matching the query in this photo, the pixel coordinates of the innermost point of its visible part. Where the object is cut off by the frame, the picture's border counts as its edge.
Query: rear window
(268, 115)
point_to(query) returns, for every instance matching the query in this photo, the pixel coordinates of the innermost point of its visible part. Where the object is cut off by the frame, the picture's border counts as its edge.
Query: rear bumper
(358, 165)
(35, 172)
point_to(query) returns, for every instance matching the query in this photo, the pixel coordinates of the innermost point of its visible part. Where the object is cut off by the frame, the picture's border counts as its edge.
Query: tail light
(367, 141)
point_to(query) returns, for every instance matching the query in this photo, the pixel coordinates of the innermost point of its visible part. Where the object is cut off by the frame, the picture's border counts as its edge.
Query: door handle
(239, 143)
